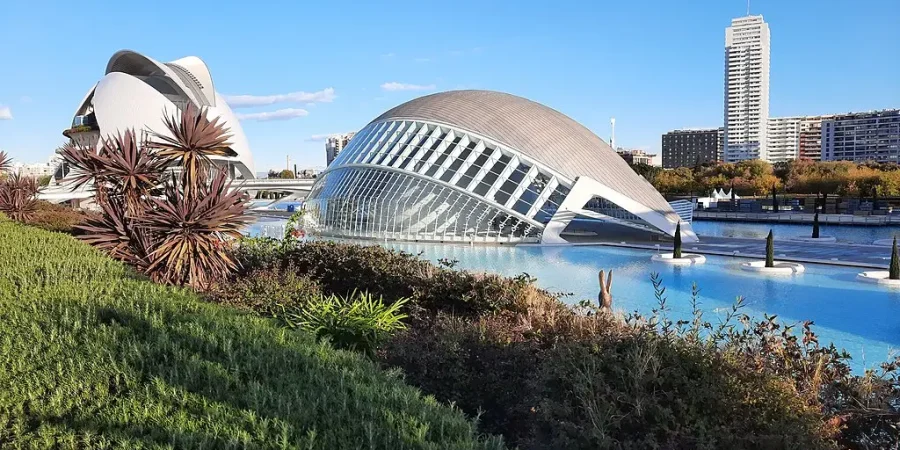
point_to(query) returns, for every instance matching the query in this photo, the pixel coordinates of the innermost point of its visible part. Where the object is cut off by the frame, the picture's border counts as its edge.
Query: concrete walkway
(855, 255)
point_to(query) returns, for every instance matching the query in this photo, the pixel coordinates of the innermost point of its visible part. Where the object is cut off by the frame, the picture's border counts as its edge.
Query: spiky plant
(135, 169)
(5, 162)
(116, 233)
(192, 231)
(18, 196)
(174, 227)
(815, 233)
(192, 140)
(894, 270)
(676, 253)
(770, 250)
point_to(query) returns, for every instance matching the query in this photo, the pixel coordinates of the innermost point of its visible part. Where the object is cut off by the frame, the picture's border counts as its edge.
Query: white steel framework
(420, 179)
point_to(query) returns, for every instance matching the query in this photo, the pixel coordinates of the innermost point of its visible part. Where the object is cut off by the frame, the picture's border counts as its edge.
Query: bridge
(296, 189)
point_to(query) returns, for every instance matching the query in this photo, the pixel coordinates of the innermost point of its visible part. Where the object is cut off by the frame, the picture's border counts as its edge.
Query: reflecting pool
(843, 233)
(864, 319)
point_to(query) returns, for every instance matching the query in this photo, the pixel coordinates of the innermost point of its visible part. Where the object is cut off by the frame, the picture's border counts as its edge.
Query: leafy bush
(57, 217)
(343, 268)
(97, 357)
(266, 291)
(357, 322)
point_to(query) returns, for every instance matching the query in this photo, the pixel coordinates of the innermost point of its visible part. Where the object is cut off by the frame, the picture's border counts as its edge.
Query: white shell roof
(537, 131)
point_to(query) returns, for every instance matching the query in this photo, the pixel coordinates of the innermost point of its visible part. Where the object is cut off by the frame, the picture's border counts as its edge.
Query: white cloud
(246, 101)
(5, 113)
(395, 86)
(281, 114)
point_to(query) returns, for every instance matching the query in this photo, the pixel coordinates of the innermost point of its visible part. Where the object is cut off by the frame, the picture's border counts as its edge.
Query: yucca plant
(18, 196)
(194, 140)
(171, 225)
(5, 162)
(191, 231)
(359, 321)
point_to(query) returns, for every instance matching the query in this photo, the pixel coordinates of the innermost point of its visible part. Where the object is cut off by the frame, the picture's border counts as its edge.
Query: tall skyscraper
(746, 89)
(334, 144)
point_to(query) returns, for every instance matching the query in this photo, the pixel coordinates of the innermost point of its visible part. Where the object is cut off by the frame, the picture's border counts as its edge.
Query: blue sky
(655, 65)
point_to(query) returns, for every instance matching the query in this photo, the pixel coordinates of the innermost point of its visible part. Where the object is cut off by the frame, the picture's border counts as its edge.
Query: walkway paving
(799, 217)
(871, 256)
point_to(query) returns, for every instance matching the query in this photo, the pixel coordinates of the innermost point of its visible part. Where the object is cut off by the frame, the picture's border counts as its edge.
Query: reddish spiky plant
(136, 169)
(192, 231)
(5, 162)
(194, 140)
(115, 233)
(87, 164)
(18, 196)
(177, 234)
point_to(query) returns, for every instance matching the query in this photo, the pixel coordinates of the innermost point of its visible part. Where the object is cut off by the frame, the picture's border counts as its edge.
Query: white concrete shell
(481, 166)
(138, 92)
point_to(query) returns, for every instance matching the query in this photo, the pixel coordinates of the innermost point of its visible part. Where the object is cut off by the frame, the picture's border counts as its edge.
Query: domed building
(137, 93)
(480, 166)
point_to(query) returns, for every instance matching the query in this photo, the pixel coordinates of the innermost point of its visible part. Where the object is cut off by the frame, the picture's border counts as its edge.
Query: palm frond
(194, 140)
(5, 162)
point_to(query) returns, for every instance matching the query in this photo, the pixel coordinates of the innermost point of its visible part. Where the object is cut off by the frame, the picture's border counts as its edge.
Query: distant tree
(44, 180)
(894, 270)
(815, 233)
(774, 199)
(274, 174)
(646, 170)
(676, 253)
(286, 174)
(770, 250)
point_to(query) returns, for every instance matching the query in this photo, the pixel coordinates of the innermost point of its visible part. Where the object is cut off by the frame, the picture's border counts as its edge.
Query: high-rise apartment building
(783, 137)
(798, 137)
(746, 89)
(811, 137)
(335, 143)
(869, 136)
(689, 148)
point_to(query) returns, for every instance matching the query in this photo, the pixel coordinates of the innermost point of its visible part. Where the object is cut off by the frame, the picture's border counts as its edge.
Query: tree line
(756, 177)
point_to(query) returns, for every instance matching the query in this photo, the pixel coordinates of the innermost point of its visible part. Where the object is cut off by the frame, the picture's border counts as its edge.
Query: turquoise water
(861, 318)
(843, 233)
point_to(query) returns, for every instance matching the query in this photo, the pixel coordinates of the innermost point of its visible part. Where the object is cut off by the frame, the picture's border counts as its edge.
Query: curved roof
(537, 131)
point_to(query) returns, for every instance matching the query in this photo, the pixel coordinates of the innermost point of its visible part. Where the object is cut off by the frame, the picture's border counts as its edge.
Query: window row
(375, 203)
(458, 159)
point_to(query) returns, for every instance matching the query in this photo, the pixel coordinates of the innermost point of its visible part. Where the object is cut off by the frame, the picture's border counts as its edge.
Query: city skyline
(290, 96)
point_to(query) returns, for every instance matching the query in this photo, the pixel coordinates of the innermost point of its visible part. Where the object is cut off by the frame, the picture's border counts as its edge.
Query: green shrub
(265, 291)
(618, 388)
(95, 356)
(357, 322)
(343, 268)
(57, 217)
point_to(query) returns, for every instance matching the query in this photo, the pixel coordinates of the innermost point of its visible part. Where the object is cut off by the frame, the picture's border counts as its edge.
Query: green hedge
(95, 356)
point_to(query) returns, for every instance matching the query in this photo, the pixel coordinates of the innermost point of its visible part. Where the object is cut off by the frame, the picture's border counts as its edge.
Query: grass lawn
(92, 355)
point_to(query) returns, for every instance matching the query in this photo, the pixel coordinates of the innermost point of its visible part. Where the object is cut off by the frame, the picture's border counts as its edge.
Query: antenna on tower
(612, 135)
